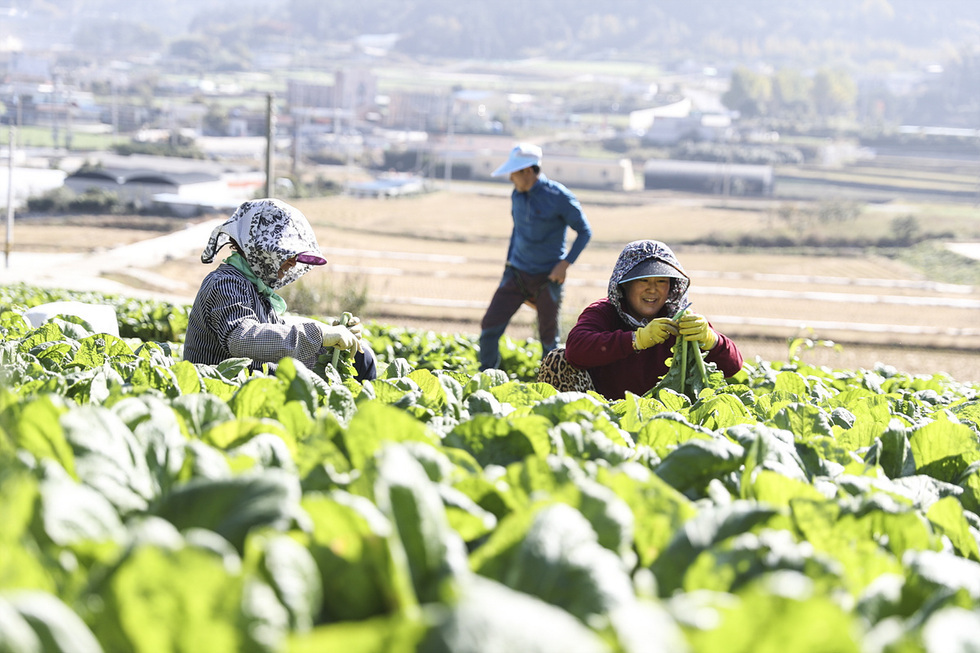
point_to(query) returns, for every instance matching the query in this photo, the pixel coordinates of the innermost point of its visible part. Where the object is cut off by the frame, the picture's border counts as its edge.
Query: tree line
(788, 91)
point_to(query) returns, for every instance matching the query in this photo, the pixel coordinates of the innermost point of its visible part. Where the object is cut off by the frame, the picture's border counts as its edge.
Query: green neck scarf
(238, 262)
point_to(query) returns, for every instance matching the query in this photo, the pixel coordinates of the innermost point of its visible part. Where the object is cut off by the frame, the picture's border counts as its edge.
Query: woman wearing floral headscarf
(237, 312)
(624, 340)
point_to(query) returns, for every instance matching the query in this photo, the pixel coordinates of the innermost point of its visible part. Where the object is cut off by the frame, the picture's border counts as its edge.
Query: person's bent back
(237, 312)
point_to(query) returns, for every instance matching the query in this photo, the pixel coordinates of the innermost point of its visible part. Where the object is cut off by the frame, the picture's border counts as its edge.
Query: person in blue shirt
(538, 256)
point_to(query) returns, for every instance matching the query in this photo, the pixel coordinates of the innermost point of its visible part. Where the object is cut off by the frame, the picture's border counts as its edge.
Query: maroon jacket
(602, 343)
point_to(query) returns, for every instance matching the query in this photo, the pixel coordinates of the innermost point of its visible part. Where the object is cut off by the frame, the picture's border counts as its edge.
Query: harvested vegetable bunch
(341, 360)
(688, 373)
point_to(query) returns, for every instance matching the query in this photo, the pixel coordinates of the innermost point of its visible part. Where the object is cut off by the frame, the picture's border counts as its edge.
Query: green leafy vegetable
(688, 373)
(151, 504)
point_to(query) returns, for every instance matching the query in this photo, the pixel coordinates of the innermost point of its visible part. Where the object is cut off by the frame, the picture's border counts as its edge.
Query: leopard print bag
(565, 377)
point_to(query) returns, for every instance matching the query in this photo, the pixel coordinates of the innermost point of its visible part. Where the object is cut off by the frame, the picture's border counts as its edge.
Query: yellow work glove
(655, 332)
(340, 337)
(353, 325)
(695, 327)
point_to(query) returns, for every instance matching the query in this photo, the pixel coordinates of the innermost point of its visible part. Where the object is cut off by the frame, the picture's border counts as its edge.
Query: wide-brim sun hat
(524, 155)
(652, 268)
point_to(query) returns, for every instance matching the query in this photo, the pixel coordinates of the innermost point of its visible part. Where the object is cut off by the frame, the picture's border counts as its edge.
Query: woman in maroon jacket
(624, 340)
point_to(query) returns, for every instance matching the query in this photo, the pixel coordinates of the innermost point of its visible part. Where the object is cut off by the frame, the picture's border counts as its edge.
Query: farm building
(642, 119)
(673, 123)
(185, 193)
(385, 186)
(696, 127)
(708, 177)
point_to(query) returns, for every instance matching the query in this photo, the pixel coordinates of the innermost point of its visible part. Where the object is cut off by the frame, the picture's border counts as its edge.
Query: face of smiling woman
(646, 297)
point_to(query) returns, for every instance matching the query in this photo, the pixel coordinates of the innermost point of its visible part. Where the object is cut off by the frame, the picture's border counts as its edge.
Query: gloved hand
(340, 337)
(695, 327)
(655, 332)
(353, 325)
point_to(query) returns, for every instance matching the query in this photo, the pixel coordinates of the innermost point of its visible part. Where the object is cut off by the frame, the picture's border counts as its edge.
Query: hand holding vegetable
(695, 327)
(340, 337)
(655, 332)
(353, 325)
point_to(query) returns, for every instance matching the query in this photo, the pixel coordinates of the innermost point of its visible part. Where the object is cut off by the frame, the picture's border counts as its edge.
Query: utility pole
(115, 107)
(270, 148)
(10, 185)
(448, 166)
(68, 107)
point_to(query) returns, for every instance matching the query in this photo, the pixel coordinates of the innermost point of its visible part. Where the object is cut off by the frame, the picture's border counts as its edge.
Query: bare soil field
(87, 233)
(432, 261)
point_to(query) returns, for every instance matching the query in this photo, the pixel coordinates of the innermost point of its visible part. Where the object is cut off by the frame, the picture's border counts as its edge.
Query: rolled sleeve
(271, 342)
(575, 218)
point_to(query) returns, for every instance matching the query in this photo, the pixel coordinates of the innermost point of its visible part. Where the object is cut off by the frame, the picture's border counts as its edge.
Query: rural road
(970, 250)
(83, 271)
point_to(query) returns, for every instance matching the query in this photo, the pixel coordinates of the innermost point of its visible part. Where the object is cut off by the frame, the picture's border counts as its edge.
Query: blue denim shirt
(542, 217)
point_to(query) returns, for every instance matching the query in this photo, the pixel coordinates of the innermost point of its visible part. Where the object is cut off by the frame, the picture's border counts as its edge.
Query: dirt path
(94, 269)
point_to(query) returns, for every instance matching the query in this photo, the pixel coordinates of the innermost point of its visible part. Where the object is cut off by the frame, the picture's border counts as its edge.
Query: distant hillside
(857, 32)
(720, 29)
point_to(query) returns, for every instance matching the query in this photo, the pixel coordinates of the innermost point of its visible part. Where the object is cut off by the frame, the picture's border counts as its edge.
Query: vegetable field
(153, 505)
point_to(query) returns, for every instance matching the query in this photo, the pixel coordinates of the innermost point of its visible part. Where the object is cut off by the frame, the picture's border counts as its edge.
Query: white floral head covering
(640, 251)
(267, 232)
